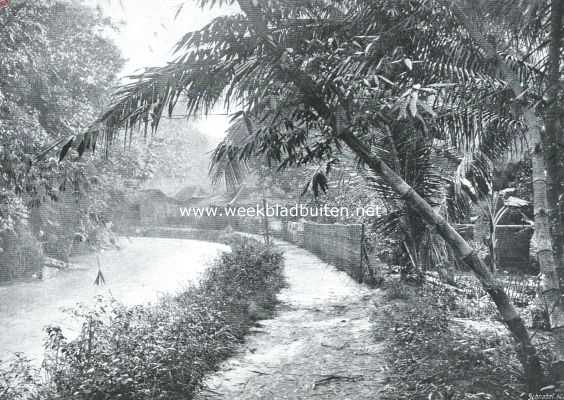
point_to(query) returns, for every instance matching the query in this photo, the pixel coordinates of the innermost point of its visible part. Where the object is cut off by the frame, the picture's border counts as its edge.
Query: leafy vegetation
(413, 101)
(433, 354)
(57, 65)
(159, 351)
(394, 84)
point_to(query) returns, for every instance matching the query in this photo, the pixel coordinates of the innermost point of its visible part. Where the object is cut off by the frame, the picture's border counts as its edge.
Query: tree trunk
(552, 140)
(552, 137)
(550, 284)
(551, 290)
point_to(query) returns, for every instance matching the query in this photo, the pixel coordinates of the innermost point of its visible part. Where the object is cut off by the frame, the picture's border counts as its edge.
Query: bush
(163, 351)
(18, 379)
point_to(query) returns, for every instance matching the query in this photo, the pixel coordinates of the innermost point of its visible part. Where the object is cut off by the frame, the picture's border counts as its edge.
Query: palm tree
(537, 139)
(534, 31)
(320, 75)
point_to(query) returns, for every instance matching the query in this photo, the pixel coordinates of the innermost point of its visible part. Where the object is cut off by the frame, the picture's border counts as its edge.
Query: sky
(149, 30)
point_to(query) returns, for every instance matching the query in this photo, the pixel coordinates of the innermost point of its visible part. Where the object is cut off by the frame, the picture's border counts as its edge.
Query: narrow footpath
(318, 346)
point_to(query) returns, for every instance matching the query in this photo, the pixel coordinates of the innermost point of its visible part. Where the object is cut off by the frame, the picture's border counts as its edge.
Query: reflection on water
(143, 269)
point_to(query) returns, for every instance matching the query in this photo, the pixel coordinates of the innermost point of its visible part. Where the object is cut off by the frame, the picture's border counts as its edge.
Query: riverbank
(143, 270)
(161, 350)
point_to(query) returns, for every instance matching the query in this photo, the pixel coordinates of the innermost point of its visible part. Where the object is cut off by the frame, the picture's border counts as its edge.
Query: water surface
(138, 273)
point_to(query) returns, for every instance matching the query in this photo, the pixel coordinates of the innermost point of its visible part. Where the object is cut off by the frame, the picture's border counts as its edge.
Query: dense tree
(57, 64)
(320, 75)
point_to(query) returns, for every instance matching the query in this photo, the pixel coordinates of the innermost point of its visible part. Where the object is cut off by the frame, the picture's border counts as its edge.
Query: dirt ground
(318, 346)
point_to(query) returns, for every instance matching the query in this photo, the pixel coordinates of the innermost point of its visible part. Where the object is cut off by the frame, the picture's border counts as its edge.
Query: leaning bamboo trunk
(465, 253)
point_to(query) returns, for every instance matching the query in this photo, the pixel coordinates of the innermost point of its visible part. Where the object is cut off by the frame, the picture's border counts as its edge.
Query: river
(138, 273)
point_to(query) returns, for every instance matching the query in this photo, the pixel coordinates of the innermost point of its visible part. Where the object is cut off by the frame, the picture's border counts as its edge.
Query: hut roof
(191, 192)
(153, 195)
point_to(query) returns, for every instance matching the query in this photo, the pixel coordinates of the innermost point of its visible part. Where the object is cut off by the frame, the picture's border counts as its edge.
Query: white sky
(150, 31)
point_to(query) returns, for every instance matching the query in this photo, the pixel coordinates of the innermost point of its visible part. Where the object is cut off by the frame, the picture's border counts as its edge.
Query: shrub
(163, 351)
(18, 379)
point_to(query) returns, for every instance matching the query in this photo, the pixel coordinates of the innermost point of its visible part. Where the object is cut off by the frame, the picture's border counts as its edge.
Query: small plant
(494, 208)
(18, 379)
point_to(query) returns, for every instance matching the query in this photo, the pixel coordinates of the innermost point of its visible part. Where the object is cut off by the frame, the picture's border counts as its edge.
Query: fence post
(266, 232)
(361, 275)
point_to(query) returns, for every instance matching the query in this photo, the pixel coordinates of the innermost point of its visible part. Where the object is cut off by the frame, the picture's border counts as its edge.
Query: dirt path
(319, 345)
